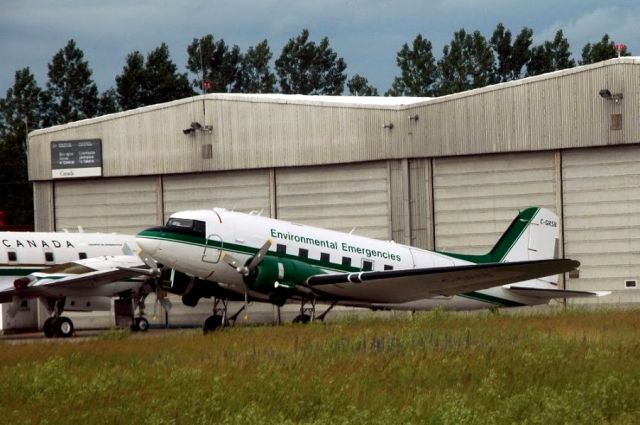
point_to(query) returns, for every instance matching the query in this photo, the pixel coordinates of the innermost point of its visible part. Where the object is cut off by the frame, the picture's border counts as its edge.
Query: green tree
(219, 63)
(71, 94)
(418, 70)
(600, 51)
(550, 56)
(511, 58)
(19, 113)
(467, 63)
(155, 80)
(306, 68)
(163, 82)
(359, 86)
(108, 103)
(131, 84)
(255, 74)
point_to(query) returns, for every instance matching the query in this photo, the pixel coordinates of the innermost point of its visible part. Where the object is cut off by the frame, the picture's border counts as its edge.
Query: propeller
(248, 269)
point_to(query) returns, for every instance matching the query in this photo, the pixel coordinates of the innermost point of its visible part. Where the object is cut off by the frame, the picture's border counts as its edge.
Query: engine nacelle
(275, 274)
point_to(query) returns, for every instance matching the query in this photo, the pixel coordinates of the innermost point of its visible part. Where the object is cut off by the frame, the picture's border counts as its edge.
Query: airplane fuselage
(195, 242)
(23, 253)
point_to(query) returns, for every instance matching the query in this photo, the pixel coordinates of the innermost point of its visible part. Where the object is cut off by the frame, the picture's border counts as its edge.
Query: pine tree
(71, 94)
(306, 68)
(155, 80)
(359, 86)
(418, 71)
(550, 56)
(220, 63)
(131, 84)
(600, 51)
(510, 57)
(255, 75)
(163, 82)
(108, 103)
(467, 63)
(19, 113)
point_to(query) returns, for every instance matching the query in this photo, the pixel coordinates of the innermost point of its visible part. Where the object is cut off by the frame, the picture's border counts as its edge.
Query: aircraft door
(212, 249)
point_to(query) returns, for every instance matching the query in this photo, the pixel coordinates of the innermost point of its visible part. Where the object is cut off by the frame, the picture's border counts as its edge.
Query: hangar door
(122, 205)
(242, 191)
(477, 197)
(602, 219)
(338, 197)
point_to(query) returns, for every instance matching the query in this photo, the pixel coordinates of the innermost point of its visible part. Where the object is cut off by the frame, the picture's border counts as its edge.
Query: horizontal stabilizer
(549, 293)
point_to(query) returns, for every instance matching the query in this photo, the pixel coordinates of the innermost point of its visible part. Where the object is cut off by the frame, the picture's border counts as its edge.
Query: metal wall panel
(477, 197)
(337, 197)
(43, 206)
(601, 191)
(125, 205)
(421, 203)
(242, 191)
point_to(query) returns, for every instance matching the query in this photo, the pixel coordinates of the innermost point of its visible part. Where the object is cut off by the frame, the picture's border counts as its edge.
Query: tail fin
(532, 235)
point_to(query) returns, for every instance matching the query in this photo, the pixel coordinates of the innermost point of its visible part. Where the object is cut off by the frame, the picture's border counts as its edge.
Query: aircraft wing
(398, 286)
(549, 293)
(81, 274)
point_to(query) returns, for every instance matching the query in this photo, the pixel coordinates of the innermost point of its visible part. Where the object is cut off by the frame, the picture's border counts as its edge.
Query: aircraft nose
(150, 246)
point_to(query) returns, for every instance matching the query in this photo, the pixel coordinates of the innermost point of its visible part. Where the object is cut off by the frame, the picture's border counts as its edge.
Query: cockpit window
(187, 226)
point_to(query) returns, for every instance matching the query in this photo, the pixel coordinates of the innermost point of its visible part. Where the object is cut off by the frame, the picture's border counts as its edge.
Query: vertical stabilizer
(532, 235)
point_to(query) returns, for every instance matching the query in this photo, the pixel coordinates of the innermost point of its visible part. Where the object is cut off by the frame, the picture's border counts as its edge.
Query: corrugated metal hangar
(447, 173)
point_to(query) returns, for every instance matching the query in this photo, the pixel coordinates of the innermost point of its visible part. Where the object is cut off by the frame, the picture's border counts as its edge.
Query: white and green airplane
(234, 256)
(69, 272)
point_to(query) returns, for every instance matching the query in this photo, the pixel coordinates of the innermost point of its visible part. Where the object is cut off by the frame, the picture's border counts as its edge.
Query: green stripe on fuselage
(240, 249)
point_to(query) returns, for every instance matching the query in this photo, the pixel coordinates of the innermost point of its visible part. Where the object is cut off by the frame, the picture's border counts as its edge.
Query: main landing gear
(220, 317)
(308, 312)
(57, 325)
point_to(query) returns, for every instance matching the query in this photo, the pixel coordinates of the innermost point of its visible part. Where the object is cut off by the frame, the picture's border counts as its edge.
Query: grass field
(554, 368)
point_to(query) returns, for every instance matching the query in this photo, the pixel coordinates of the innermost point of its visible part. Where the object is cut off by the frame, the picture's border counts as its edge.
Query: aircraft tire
(63, 327)
(302, 318)
(142, 324)
(211, 324)
(48, 328)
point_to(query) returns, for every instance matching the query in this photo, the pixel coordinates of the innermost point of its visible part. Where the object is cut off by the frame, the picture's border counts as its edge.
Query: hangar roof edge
(373, 102)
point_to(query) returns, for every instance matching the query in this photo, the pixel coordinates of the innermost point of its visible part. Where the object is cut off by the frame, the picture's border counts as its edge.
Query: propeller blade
(232, 261)
(257, 259)
(150, 262)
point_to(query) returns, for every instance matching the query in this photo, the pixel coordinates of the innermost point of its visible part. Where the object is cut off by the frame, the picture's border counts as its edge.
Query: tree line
(469, 60)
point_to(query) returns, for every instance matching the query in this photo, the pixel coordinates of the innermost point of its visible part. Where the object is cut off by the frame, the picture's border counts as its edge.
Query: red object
(619, 47)
(206, 84)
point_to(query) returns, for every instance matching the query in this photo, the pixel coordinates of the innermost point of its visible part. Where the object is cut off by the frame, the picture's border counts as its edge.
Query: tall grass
(569, 367)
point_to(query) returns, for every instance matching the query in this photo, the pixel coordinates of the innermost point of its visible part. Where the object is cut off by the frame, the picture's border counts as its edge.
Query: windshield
(187, 226)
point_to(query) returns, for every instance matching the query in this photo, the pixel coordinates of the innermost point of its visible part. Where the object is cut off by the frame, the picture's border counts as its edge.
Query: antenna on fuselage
(352, 230)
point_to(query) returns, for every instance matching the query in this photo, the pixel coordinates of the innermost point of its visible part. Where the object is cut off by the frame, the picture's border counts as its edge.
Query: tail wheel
(63, 327)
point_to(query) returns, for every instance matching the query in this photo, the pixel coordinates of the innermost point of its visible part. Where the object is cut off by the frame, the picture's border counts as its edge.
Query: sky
(366, 33)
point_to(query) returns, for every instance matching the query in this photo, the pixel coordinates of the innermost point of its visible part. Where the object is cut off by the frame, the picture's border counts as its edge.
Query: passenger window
(367, 265)
(82, 255)
(303, 253)
(281, 249)
(388, 267)
(48, 257)
(325, 257)
(346, 261)
(13, 256)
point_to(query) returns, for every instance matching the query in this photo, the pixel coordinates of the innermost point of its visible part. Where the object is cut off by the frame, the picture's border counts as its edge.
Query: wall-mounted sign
(76, 158)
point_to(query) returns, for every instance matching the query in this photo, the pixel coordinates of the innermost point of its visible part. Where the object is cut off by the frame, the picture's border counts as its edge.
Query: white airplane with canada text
(233, 256)
(70, 272)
